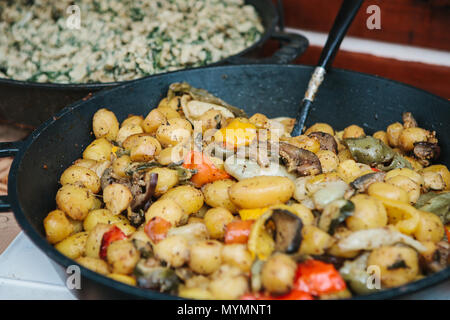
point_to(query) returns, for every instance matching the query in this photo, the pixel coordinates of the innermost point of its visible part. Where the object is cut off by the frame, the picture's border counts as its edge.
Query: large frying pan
(32, 103)
(345, 98)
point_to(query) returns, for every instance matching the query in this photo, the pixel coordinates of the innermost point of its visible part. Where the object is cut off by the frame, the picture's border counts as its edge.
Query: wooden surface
(423, 23)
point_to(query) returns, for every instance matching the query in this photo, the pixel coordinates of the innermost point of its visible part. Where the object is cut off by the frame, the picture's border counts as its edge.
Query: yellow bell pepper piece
(251, 214)
(403, 216)
(236, 134)
(260, 241)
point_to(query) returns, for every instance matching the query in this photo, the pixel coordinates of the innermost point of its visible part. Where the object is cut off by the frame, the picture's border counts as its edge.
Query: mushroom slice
(362, 183)
(426, 152)
(142, 197)
(302, 161)
(408, 120)
(287, 229)
(326, 140)
(241, 168)
(375, 238)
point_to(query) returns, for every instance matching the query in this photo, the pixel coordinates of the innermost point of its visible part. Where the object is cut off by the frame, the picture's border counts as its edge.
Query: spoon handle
(343, 20)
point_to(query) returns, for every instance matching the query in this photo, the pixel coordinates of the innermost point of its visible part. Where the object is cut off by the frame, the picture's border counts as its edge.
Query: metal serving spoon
(344, 19)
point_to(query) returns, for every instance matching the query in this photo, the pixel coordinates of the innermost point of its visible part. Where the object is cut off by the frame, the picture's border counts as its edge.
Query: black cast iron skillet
(345, 98)
(32, 103)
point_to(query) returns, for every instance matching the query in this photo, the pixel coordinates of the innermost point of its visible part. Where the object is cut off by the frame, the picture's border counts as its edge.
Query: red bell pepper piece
(113, 234)
(317, 277)
(238, 231)
(447, 232)
(375, 169)
(293, 295)
(206, 171)
(157, 229)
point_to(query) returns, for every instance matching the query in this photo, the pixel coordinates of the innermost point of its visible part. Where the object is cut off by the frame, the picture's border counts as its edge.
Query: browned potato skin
(57, 226)
(122, 256)
(154, 119)
(117, 198)
(393, 132)
(320, 127)
(75, 201)
(99, 150)
(73, 246)
(84, 176)
(105, 124)
(262, 191)
(353, 131)
(278, 274)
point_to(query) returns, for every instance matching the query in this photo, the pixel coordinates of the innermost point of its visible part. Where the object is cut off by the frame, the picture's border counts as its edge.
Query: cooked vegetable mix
(206, 203)
(119, 40)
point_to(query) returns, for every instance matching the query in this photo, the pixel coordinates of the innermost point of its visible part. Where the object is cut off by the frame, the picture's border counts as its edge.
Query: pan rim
(63, 261)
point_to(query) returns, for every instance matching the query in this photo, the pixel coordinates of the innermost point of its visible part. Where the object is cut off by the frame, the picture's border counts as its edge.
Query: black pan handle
(293, 45)
(343, 20)
(8, 149)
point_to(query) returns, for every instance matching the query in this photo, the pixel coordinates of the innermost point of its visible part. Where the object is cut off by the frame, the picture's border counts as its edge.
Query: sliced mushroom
(326, 140)
(302, 161)
(287, 229)
(362, 183)
(408, 120)
(425, 152)
(141, 196)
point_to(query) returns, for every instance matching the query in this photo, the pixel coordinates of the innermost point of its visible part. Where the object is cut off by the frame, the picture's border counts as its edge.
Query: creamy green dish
(119, 40)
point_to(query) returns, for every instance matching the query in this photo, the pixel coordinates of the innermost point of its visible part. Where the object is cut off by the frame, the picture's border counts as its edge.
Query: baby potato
(398, 264)
(100, 149)
(303, 212)
(85, 163)
(75, 201)
(73, 246)
(216, 194)
(187, 197)
(122, 278)
(94, 264)
(215, 220)
(237, 255)
(388, 191)
(117, 198)
(120, 166)
(94, 240)
(353, 131)
(205, 256)
(122, 256)
(345, 154)
(106, 217)
(406, 172)
(411, 188)
(126, 131)
(173, 132)
(328, 160)
(262, 191)
(348, 170)
(169, 113)
(174, 250)
(320, 127)
(145, 150)
(105, 124)
(381, 135)
(133, 120)
(211, 119)
(433, 181)
(442, 171)
(304, 142)
(57, 226)
(315, 241)
(393, 132)
(228, 288)
(80, 175)
(409, 136)
(430, 228)
(154, 119)
(167, 179)
(167, 209)
(278, 273)
(172, 155)
(369, 213)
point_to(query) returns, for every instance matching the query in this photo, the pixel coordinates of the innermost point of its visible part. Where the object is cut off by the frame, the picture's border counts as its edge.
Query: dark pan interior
(345, 98)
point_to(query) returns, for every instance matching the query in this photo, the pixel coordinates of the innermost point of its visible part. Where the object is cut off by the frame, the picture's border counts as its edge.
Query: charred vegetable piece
(426, 152)
(302, 161)
(136, 218)
(142, 197)
(114, 234)
(177, 89)
(437, 203)
(354, 272)
(316, 277)
(150, 275)
(206, 171)
(287, 230)
(326, 140)
(335, 214)
(362, 183)
(144, 248)
(375, 153)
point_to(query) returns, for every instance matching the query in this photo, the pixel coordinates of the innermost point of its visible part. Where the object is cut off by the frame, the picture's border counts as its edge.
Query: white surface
(380, 48)
(27, 274)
